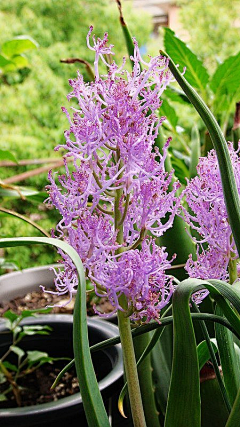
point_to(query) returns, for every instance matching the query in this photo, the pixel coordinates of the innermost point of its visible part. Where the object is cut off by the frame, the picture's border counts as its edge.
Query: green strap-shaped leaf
(203, 352)
(147, 328)
(214, 361)
(126, 32)
(233, 420)
(142, 348)
(226, 170)
(228, 359)
(195, 151)
(92, 400)
(196, 74)
(184, 395)
(183, 408)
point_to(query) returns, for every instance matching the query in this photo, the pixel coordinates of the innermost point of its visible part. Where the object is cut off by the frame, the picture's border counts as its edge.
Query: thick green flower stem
(129, 360)
(145, 379)
(232, 266)
(232, 270)
(130, 368)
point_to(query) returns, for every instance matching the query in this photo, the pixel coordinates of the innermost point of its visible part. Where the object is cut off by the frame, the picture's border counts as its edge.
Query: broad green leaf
(203, 353)
(17, 350)
(17, 62)
(7, 155)
(2, 378)
(18, 45)
(180, 168)
(36, 330)
(30, 194)
(33, 313)
(196, 74)
(230, 190)
(175, 95)
(10, 315)
(4, 62)
(35, 356)
(184, 374)
(10, 366)
(2, 397)
(92, 399)
(39, 358)
(226, 77)
(170, 113)
(8, 265)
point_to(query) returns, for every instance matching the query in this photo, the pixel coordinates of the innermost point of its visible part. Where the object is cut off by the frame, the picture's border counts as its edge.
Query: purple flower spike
(208, 219)
(140, 275)
(117, 184)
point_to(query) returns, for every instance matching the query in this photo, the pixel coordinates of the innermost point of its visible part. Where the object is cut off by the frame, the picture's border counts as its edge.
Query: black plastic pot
(107, 363)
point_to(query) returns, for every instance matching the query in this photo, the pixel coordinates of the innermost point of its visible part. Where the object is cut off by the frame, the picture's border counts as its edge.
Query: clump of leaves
(26, 361)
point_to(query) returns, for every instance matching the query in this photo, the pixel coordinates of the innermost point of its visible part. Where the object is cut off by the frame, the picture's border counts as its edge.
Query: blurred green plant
(221, 91)
(13, 373)
(215, 33)
(12, 57)
(34, 129)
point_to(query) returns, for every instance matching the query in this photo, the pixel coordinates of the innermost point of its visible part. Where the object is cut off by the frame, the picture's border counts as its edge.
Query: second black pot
(107, 364)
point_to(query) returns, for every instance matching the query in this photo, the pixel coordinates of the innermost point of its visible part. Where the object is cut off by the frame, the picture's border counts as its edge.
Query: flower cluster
(207, 217)
(118, 189)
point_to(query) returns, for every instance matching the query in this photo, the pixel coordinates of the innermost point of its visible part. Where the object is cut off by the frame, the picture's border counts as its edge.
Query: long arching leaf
(227, 175)
(233, 420)
(147, 328)
(183, 408)
(92, 400)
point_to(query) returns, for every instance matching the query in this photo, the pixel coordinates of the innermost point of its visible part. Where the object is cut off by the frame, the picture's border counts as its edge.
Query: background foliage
(215, 33)
(32, 123)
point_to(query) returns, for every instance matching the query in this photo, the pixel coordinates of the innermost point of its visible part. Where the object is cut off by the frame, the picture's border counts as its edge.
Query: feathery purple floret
(208, 217)
(111, 139)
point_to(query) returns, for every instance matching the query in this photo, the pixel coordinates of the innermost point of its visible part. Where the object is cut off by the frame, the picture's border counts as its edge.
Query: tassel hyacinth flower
(207, 216)
(118, 191)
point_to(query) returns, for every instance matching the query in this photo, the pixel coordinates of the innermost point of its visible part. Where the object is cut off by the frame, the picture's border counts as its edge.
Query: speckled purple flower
(118, 189)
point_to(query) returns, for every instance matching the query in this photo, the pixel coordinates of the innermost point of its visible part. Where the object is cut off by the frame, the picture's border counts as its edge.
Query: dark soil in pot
(38, 299)
(36, 387)
(21, 290)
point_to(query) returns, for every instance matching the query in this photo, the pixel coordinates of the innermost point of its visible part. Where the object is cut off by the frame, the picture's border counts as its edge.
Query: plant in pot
(26, 398)
(114, 204)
